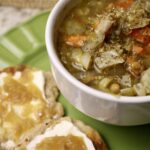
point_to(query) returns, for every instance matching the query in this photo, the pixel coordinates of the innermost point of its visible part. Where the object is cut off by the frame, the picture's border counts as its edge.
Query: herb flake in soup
(106, 45)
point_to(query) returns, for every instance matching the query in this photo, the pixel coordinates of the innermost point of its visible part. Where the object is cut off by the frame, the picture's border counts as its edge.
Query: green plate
(25, 44)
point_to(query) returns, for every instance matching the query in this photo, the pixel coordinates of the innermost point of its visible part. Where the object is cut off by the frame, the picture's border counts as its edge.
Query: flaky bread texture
(51, 95)
(50, 89)
(92, 134)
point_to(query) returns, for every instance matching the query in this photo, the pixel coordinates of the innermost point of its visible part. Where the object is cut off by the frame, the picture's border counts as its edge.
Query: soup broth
(106, 45)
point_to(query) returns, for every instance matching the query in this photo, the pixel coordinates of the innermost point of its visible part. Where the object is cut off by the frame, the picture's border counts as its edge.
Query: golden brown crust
(51, 90)
(52, 93)
(13, 69)
(92, 134)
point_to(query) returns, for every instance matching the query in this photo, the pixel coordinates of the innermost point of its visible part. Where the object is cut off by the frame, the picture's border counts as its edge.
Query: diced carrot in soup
(124, 3)
(147, 48)
(141, 35)
(137, 49)
(76, 40)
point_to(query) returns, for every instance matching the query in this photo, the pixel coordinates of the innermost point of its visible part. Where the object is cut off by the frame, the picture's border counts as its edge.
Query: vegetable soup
(106, 45)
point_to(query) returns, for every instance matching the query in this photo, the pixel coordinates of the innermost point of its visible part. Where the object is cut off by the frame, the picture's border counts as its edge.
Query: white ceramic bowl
(99, 105)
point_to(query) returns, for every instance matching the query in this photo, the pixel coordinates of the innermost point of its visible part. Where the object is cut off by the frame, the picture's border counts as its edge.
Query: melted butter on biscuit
(63, 135)
(22, 104)
(69, 142)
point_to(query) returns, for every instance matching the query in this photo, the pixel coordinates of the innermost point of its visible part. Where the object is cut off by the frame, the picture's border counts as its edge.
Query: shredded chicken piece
(126, 80)
(104, 25)
(108, 59)
(98, 38)
(93, 42)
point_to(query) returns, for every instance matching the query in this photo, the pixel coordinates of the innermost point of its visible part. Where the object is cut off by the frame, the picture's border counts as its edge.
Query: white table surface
(10, 17)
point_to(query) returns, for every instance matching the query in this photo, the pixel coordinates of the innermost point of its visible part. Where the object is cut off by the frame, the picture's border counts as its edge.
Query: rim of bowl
(57, 63)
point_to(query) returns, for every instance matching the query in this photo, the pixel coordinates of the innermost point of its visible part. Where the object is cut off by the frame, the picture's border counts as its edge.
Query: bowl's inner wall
(60, 16)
